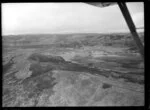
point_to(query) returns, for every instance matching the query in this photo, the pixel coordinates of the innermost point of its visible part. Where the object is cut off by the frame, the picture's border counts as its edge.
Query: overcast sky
(34, 18)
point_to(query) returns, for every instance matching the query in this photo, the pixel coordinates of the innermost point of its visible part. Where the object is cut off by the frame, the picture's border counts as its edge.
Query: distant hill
(70, 40)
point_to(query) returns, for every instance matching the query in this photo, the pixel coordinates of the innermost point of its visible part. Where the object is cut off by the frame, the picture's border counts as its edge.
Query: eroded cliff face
(47, 80)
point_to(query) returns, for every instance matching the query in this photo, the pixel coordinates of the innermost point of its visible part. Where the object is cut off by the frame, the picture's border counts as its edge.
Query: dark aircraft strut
(132, 27)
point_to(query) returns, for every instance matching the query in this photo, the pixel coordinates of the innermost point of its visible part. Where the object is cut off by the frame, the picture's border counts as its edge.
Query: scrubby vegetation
(46, 58)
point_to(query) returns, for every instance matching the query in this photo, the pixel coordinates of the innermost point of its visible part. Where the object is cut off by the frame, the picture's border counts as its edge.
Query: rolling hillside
(72, 70)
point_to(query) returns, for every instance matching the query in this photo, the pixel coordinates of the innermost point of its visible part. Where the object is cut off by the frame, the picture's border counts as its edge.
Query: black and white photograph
(73, 54)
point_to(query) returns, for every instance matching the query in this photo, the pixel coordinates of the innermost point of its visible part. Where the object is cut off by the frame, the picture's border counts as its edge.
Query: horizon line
(69, 33)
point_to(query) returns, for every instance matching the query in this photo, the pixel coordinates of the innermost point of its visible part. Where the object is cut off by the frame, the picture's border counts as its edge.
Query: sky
(44, 18)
